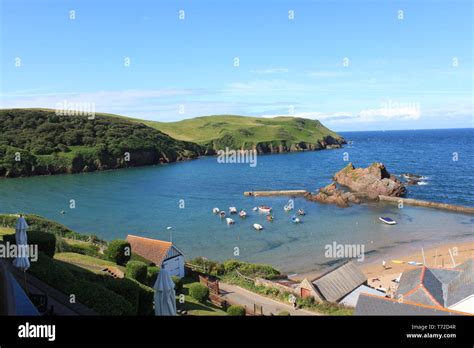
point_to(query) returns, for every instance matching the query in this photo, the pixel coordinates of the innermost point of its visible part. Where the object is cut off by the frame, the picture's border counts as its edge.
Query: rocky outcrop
(412, 179)
(372, 181)
(330, 194)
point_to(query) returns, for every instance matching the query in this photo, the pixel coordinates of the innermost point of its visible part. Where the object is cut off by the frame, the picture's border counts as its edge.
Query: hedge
(92, 294)
(39, 223)
(84, 249)
(284, 313)
(137, 270)
(125, 287)
(118, 251)
(46, 241)
(236, 310)
(178, 284)
(151, 275)
(199, 292)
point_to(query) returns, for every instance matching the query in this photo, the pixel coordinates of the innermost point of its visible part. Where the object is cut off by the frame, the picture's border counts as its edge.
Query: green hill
(38, 141)
(278, 134)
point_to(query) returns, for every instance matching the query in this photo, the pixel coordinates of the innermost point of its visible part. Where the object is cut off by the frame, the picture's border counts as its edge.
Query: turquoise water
(145, 201)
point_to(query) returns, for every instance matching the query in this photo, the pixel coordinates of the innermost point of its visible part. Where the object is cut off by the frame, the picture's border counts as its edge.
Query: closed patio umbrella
(165, 295)
(21, 261)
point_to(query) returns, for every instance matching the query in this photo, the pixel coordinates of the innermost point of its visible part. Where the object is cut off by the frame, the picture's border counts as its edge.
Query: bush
(137, 270)
(38, 223)
(178, 284)
(90, 293)
(46, 241)
(236, 311)
(145, 300)
(125, 287)
(151, 275)
(199, 292)
(84, 249)
(284, 313)
(118, 251)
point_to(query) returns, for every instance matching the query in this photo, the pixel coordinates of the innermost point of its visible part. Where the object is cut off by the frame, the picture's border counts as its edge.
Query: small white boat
(387, 220)
(216, 210)
(242, 213)
(222, 214)
(264, 209)
(287, 208)
(233, 210)
(258, 227)
(295, 220)
(301, 212)
(229, 221)
(255, 209)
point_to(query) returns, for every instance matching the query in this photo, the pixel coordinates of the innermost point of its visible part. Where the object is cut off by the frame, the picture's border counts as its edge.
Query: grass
(193, 307)
(244, 131)
(88, 262)
(6, 230)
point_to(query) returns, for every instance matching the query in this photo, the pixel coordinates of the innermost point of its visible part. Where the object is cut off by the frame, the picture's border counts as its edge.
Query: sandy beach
(438, 256)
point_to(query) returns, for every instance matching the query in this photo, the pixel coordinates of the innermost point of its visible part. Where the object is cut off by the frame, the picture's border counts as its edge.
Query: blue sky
(414, 72)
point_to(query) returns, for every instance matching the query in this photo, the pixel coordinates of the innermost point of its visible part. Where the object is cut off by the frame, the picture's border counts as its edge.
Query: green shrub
(90, 293)
(284, 313)
(118, 251)
(236, 311)
(151, 275)
(100, 299)
(39, 223)
(84, 249)
(125, 287)
(178, 284)
(199, 292)
(145, 299)
(46, 241)
(231, 265)
(137, 270)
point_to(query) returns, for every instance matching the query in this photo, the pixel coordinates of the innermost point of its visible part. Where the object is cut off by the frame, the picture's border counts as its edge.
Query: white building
(163, 254)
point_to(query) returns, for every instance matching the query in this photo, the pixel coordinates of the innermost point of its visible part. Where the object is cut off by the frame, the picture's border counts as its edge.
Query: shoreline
(436, 255)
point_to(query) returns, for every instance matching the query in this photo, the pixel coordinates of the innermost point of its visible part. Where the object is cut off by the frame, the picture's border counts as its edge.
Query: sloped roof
(351, 299)
(374, 305)
(339, 282)
(154, 250)
(438, 287)
(463, 285)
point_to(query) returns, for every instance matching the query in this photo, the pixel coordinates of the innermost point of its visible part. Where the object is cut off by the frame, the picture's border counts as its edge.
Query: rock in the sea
(412, 179)
(330, 194)
(372, 181)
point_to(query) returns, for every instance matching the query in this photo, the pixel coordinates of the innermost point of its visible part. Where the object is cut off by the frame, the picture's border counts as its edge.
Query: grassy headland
(41, 142)
(278, 134)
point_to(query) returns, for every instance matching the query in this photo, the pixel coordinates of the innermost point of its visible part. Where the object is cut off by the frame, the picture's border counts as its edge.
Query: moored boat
(387, 220)
(233, 210)
(264, 209)
(242, 213)
(295, 220)
(301, 212)
(258, 227)
(288, 208)
(229, 221)
(222, 214)
(269, 217)
(216, 210)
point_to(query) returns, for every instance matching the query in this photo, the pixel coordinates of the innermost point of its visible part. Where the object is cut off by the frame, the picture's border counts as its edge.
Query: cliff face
(372, 181)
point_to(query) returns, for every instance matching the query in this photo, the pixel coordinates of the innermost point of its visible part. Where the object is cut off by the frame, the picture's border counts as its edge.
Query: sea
(175, 201)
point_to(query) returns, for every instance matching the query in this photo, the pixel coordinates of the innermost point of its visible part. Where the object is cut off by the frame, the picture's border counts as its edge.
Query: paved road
(236, 295)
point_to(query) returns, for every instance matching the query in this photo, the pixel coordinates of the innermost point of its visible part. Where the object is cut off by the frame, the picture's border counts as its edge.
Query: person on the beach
(384, 264)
